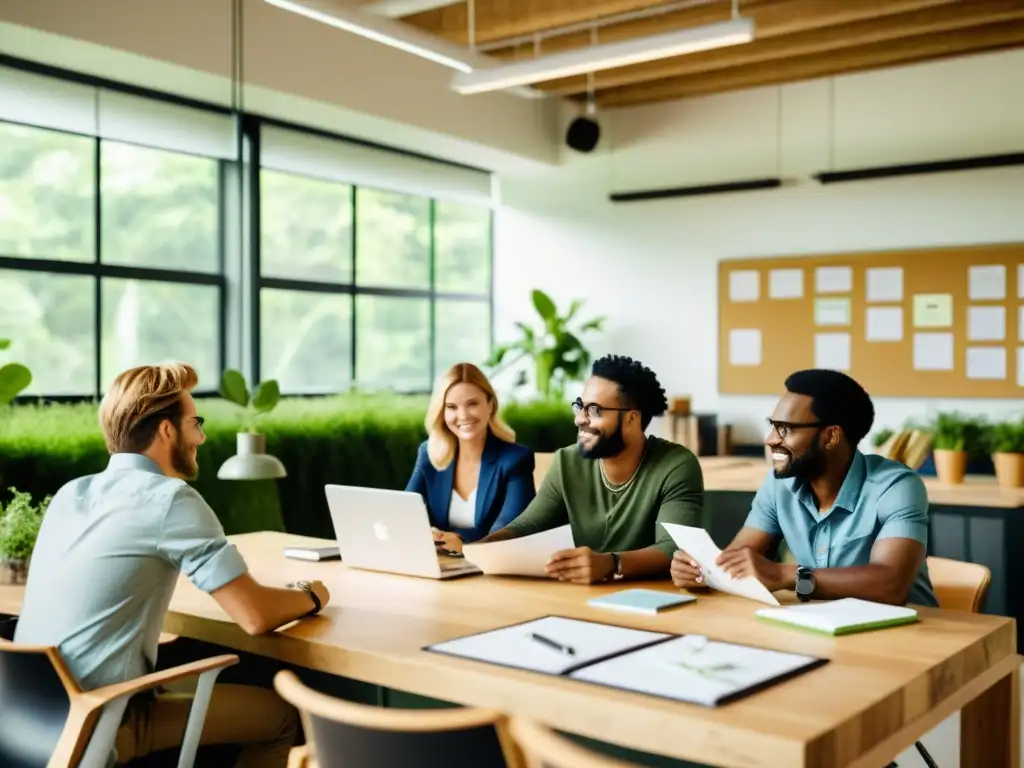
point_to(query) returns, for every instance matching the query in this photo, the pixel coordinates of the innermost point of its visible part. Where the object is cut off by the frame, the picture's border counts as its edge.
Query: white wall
(652, 266)
(294, 68)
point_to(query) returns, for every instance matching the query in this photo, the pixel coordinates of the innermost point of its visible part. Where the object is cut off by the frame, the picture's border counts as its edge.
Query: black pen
(552, 644)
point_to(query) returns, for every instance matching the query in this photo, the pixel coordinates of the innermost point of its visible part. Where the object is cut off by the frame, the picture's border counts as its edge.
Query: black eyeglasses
(594, 410)
(784, 428)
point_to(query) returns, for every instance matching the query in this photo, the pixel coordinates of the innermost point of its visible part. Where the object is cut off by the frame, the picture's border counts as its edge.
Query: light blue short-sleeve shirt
(880, 498)
(106, 563)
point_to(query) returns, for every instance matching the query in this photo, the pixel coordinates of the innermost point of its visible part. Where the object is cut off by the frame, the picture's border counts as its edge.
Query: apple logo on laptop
(380, 530)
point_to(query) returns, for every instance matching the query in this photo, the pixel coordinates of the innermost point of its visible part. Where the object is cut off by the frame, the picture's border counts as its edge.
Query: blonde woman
(473, 476)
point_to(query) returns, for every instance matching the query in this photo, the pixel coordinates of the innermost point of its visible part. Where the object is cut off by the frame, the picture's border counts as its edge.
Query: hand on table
(744, 561)
(580, 565)
(686, 574)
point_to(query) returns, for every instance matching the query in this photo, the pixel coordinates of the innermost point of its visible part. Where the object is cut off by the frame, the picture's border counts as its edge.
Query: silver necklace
(623, 486)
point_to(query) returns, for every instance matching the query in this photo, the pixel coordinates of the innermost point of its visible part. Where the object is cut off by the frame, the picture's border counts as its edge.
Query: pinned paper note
(1020, 281)
(1020, 366)
(986, 282)
(885, 284)
(933, 310)
(986, 363)
(786, 283)
(745, 346)
(833, 279)
(1020, 324)
(933, 351)
(986, 323)
(832, 350)
(832, 311)
(884, 324)
(744, 285)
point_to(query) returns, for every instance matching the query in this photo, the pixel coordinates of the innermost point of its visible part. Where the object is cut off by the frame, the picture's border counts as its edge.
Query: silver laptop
(383, 530)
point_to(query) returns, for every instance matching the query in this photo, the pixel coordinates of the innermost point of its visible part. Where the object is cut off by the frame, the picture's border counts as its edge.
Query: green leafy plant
(14, 378)
(879, 438)
(953, 431)
(1006, 437)
(559, 355)
(266, 397)
(19, 525)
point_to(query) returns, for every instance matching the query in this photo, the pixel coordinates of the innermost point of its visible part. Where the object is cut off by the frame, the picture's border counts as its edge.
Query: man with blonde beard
(108, 557)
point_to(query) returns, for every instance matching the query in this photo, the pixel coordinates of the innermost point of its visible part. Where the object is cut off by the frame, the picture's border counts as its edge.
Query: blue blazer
(503, 490)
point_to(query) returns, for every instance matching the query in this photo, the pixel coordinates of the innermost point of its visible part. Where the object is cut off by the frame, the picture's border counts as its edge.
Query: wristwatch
(805, 584)
(307, 587)
(616, 567)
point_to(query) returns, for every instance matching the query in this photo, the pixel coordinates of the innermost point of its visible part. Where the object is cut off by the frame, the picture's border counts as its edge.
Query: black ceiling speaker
(583, 134)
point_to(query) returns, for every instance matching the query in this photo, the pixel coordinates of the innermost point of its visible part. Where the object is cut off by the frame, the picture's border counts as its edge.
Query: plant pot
(13, 572)
(1009, 469)
(950, 466)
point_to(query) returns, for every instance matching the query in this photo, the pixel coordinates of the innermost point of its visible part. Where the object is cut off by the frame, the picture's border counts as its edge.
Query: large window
(125, 222)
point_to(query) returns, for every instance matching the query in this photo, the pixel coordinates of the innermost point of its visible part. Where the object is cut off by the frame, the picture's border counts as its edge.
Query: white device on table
(385, 530)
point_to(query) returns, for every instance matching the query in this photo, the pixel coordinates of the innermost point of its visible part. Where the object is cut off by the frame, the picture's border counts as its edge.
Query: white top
(462, 512)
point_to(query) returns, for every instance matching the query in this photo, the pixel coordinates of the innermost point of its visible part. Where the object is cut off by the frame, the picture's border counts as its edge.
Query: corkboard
(885, 368)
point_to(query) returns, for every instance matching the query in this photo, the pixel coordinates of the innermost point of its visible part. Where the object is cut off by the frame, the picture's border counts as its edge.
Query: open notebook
(840, 617)
(682, 667)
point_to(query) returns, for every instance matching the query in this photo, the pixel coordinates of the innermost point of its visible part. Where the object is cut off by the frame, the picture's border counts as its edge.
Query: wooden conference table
(880, 692)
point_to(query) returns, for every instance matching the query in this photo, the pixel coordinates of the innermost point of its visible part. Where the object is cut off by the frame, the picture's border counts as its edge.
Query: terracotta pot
(950, 466)
(1009, 469)
(13, 572)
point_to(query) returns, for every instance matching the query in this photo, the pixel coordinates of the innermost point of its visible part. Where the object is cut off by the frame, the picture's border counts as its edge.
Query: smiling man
(857, 525)
(616, 484)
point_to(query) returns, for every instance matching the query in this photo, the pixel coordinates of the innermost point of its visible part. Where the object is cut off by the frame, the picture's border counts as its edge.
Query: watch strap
(306, 587)
(616, 566)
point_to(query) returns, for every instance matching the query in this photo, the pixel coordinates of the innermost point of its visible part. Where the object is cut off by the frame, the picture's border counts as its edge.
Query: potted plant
(955, 438)
(880, 438)
(1006, 442)
(251, 461)
(19, 526)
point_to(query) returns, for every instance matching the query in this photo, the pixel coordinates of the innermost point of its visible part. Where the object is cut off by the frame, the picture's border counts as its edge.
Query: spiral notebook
(688, 668)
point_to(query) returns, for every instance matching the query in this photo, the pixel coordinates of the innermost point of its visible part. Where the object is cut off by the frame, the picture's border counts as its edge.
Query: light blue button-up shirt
(106, 563)
(880, 498)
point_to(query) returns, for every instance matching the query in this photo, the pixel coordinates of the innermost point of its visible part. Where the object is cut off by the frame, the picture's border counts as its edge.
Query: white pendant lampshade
(251, 462)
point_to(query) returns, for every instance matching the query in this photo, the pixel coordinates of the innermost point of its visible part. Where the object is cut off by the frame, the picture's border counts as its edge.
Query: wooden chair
(50, 722)
(543, 748)
(542, 463)
(344, 733)
(959, 586)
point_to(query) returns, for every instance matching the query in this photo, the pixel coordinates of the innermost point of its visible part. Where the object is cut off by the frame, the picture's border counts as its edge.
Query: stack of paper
(841, 617)
(525, 556)
(698, 544)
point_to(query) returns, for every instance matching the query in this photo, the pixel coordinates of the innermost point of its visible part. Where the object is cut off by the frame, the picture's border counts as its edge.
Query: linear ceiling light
(605, 56)
(381, 30)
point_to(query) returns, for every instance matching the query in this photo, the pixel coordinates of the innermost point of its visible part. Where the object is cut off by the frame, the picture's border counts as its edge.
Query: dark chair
(344, 733)
(50, 722)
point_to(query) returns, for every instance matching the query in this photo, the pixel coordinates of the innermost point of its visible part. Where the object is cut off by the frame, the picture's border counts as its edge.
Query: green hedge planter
(354, 440)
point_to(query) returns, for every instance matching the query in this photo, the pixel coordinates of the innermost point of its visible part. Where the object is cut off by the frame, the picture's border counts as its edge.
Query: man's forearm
(650, 561)
(876, 582)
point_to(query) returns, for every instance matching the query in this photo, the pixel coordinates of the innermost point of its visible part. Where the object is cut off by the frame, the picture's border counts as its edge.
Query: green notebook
(840, 617)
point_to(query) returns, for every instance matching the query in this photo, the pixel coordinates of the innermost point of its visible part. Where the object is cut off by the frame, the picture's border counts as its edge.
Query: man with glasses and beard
(857, 525)
(107, 561)
(617, 484)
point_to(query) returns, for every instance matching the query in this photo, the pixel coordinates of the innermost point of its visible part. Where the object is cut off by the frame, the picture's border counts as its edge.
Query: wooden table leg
(990, 726)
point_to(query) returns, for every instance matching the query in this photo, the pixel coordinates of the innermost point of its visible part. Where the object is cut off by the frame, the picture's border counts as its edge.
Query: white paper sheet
(986, 323)
(832, 311)
(698, 544)
(525, 556)
(515, 646)
(986, 282)
(885, 284)
(833, 279)
(832, 350)
(1020, 324)
(702, 673)
(885, 323)
(745, 346)
(786, 283)
(986, 363)
(933, 351)
(744, 285)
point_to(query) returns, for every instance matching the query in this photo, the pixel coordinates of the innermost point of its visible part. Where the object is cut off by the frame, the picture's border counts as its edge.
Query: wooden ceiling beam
(855, 59)
(859, 33)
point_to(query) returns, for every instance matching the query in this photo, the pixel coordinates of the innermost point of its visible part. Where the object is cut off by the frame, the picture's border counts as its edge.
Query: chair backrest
(344, 733)
(958, 585)
(34, 702)
(542, 463)
(543, 748)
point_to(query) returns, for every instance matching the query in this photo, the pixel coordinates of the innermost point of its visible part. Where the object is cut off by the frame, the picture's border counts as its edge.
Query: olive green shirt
(668, 487)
